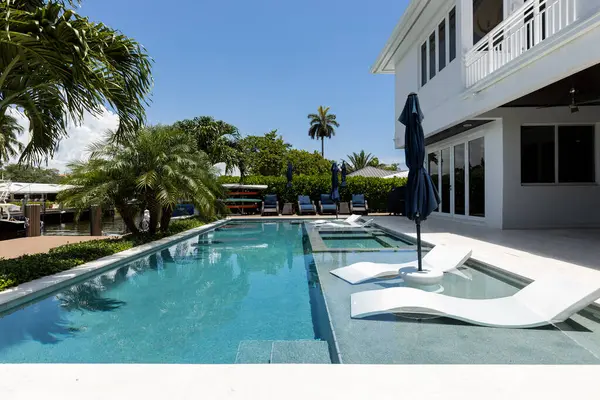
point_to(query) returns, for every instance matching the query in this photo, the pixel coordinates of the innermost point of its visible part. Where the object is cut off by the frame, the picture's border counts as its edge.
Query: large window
(452, 36)
(442, 45)
(435, 53)
(432, 68)
(459, 179)
(423, 64)
(557, 154)
(445, 194)
(477, 177)
(432, 161)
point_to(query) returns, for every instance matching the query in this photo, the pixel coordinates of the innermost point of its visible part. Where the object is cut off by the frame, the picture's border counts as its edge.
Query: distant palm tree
(322, 125)
(360, 160)
(9, 144)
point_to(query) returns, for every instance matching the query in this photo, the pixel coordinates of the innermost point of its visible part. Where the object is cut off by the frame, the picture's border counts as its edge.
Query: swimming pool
(367, 238)
(243, 292)
(258, 292)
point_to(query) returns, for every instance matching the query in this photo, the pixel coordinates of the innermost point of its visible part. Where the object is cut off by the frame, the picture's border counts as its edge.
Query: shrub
(29, 267)
(376, 190)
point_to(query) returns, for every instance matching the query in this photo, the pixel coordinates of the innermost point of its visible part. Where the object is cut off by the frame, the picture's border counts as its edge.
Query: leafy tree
(360, 160)
(264, 155)
(322, 125)
(306, 163)
(9, 144)
(153, 169)
(217, 139)
(55, 65)
(28, 174)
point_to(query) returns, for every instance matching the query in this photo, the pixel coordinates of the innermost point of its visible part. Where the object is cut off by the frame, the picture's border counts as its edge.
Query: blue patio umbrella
(421, 195)
(289, 174)
(335, 193)
(344, 173)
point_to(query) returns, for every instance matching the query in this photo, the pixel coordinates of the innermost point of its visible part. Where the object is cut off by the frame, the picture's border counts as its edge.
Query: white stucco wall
(545, 206)
(494, 180)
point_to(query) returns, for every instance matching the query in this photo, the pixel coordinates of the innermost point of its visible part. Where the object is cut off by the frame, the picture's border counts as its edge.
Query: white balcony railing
(524, 29)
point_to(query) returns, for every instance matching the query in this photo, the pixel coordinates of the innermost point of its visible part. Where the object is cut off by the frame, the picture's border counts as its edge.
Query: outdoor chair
(326, 205)
(306, 205)
(359, 205)
(270, 205)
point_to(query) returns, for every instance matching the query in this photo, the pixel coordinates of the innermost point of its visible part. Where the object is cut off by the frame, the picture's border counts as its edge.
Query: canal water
(111, 225)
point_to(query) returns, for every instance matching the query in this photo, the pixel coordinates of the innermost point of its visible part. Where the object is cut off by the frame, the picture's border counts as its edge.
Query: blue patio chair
(326, 205)
(270, 205)
(306, 205)
(359, 205)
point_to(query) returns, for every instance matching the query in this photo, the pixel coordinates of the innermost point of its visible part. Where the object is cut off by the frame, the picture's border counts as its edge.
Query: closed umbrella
(335, 193)
(344, 173)
(421, 195)
(289, 174)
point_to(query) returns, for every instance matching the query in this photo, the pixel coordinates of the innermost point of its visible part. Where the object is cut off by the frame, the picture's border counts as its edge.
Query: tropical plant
(322, 125)
(154, 169)
(217, 139)
(30, 174)
(264, 155)
(9, 144)
(56, 65)
(305, 163)
(360, 160)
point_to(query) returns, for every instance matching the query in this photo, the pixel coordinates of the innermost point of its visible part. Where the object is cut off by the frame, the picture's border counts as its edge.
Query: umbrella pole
(420, 262)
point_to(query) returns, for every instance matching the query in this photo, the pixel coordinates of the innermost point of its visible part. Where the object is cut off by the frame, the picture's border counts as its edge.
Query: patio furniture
(270, 205)
(344, 208)
(546, 301)
(346, 225)
(306, 205)
(288, 209)
(440, 258)
(326, 205)
(359, 205)
(396, 201)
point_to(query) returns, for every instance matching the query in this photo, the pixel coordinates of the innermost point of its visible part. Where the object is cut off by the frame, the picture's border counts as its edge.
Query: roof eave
(402, 28)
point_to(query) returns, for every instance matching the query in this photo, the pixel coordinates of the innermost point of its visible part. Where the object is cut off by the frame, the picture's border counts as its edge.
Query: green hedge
(29, 267)
(376, 190)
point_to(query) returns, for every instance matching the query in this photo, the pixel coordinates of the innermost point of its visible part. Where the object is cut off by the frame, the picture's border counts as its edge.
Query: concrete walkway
(41, 244)
(528, 253)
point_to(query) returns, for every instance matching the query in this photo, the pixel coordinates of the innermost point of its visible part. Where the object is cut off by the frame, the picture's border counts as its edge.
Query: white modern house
(510, 90)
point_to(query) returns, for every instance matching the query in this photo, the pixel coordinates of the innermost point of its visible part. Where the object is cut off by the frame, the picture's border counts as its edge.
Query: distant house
(373, 172)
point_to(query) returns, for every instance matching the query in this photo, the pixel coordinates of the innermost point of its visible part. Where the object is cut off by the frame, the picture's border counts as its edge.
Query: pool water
(362, 239)
(194, 302)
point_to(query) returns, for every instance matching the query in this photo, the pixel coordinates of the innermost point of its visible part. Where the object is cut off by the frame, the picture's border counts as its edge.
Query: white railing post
(491, 54)
(537, 24)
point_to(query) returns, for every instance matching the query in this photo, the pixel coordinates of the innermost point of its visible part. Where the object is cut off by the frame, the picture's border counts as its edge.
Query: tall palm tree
(56, 65)
(9, 144)
(154, 169)
(322, 125)
(360, 160)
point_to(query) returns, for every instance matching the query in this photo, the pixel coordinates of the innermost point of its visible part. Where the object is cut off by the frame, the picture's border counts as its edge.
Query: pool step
(283, 352)
(254, 352)
(300, 352)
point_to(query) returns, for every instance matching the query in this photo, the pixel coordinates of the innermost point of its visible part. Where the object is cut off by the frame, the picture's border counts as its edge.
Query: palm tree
(360, 160)
(56, 65)
(154, 169)
(9, 144)
(322, 125)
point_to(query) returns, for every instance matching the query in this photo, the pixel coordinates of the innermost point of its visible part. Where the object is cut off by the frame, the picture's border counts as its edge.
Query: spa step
(300, 352)
(254, 352)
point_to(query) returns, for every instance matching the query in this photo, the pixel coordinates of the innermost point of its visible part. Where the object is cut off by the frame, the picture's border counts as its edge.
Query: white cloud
(74, 146)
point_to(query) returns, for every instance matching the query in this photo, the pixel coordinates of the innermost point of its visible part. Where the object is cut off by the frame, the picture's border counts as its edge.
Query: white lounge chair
(350, 219)
(441, 258)
(347, 225)
(545, 301)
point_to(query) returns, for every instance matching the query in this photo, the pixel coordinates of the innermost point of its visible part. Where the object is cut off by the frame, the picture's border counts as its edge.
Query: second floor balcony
(528, 26)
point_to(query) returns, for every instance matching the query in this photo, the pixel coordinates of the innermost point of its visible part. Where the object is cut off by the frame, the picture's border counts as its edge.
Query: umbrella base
(426, 277)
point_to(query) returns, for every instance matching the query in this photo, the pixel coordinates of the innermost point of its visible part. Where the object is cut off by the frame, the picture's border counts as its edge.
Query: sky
(260, 65)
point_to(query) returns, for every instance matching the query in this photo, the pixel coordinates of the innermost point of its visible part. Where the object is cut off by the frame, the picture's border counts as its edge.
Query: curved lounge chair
(350, 219)
(545, 301)
(347, 225)
(442, 258)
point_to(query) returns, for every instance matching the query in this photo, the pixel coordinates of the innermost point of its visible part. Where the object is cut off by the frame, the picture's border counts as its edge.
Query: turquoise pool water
(374, 239)
(194, 302)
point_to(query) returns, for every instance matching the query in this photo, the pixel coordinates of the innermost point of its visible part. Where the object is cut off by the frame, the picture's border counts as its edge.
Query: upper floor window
(439, 49)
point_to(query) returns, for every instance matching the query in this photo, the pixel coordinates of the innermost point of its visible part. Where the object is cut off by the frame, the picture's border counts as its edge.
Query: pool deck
(14, 248)
(531, 254)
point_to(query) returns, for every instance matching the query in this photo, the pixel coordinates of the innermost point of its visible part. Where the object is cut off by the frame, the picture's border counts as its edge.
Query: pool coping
(29, 291)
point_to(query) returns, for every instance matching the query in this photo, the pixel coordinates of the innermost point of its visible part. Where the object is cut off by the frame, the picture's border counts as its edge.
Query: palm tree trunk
(323, 146)
(128, 215)
(165, 218)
